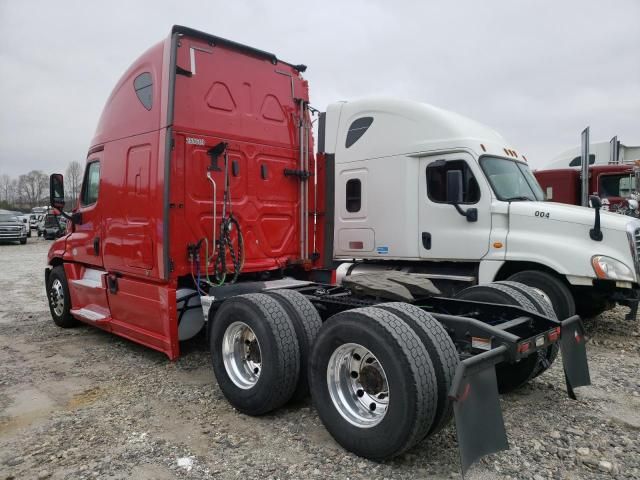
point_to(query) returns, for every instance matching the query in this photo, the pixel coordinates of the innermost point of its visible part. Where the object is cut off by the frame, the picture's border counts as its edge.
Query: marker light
(554, 334)
(608, 268)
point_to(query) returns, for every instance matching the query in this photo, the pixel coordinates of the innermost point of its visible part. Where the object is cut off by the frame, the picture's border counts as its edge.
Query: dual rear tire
(511, 376)
(259, 345)
(379, 376)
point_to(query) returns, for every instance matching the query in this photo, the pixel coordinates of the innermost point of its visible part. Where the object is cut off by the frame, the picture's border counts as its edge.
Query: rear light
(554, 334)
(524, 347)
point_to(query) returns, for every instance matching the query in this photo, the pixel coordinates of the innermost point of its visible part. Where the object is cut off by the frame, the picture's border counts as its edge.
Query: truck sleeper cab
(196, 212)
(461, 206)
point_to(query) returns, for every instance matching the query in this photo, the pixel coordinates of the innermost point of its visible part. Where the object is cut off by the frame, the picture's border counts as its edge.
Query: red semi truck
(615, 184)
(204, 207)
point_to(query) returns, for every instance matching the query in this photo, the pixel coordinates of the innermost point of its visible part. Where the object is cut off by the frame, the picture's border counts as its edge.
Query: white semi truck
(428, 191)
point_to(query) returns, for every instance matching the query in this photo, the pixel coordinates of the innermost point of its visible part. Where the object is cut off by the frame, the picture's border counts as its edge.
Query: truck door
(444, 233)
(85, 274)
(86, 240)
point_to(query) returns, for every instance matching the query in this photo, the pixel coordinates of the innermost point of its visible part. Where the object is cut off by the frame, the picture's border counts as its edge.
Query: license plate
(539, 341)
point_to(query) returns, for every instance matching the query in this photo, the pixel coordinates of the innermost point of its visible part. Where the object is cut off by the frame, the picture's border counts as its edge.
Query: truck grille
(636, 239)
(10, 232)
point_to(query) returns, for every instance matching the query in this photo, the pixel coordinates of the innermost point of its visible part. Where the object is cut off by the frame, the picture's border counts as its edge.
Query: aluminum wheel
(56, 297)
(241, 355)
(358, 385)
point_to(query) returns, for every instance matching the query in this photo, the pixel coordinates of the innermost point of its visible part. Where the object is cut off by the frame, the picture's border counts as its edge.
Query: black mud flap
(479, 422)
(574, 354)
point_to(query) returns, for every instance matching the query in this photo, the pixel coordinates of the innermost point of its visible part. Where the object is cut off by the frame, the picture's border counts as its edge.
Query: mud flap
(479, 423)
(574, 355)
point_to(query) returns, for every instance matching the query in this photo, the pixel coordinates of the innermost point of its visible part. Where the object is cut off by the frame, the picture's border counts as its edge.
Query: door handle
(96, 246)
(426, 240)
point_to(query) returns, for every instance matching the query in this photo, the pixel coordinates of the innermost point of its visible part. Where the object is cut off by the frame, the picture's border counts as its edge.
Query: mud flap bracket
(476, 406)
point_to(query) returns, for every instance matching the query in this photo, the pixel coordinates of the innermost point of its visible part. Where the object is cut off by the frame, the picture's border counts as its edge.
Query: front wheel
(59, 298)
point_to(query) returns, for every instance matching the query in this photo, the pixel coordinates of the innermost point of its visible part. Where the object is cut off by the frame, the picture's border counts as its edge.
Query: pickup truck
(12, 228)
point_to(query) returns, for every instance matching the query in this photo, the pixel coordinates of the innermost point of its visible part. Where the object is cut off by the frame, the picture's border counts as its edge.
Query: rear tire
(359, 356)
(59, 299)
(552, 288)
(255, 353)
(307, 323)
(442, 352)
(549, 354)
(510, 376)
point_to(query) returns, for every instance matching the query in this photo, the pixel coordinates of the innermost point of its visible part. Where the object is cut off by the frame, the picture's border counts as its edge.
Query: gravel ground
(82, 403)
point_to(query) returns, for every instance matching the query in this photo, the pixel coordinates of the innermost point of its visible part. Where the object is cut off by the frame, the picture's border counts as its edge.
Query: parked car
(34, 219)
(12, 228)
(25, 220)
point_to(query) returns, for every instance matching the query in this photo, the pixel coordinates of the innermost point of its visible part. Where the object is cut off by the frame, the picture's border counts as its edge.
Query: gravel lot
(82, 403)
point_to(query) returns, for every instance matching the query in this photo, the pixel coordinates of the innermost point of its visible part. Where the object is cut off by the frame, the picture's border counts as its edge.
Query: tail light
(524, 347)
(554, 334)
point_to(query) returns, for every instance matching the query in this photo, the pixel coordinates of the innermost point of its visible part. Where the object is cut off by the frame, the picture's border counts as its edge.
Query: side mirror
(454, 195)
(595, 233)
(454, 187)
(56, 191)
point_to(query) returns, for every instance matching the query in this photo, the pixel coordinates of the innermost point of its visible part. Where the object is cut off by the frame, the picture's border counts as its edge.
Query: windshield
(7, 217)
(511, 180)
(617, 185)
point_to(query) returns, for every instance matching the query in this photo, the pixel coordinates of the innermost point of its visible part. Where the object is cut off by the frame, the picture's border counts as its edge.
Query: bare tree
(73, 182)
(5, 187)
(12, 192)
(32, 187)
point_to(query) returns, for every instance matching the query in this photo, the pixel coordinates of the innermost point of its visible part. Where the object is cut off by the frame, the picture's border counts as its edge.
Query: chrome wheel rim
(56, 297)
(241, 355)
(358, 385)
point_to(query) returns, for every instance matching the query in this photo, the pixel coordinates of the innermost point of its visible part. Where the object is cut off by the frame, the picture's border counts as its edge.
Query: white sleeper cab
(428, 191)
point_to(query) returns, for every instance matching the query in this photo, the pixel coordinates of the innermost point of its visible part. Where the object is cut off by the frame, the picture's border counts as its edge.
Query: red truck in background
(204, 207)
(614, 184)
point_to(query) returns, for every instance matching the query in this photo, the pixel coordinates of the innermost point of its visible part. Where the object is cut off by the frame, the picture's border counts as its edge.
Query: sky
(538, 72)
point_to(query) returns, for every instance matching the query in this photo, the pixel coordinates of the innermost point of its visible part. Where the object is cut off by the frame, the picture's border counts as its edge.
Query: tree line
(32, 189)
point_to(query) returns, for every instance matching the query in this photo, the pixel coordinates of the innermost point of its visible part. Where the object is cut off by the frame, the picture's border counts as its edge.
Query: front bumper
(12, 236)
(621, 293)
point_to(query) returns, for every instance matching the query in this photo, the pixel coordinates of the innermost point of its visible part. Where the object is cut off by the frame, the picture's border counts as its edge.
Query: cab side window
(90, 184)
(437, 181)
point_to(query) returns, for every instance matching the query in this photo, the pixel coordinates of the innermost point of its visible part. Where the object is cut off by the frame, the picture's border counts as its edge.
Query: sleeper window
(357, 130)
(143, 85)
(354, 195)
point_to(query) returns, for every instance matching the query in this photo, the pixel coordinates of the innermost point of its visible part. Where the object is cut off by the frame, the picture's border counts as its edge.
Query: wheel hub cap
(56, 297)
(358, 385)
(241, 355)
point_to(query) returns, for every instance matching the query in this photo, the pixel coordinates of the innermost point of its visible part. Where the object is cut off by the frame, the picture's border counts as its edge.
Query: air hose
(223, 245)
